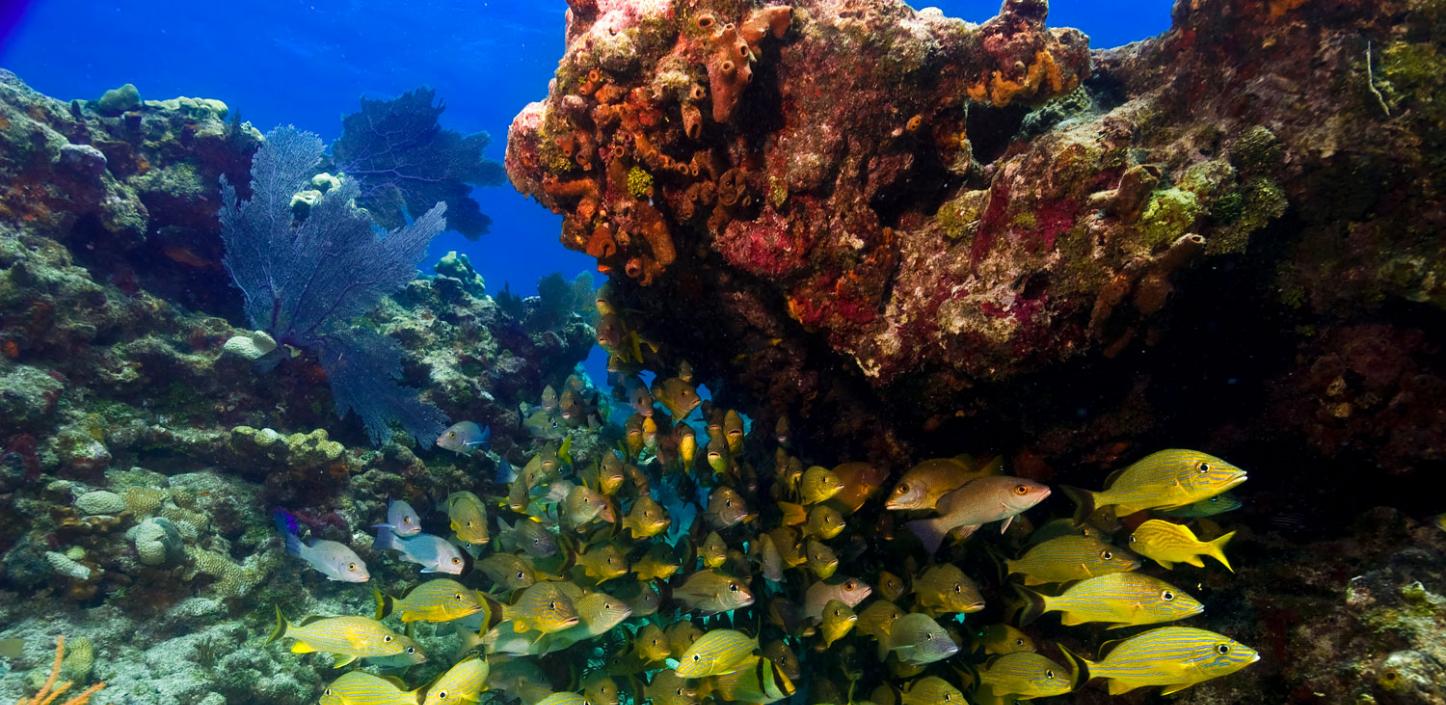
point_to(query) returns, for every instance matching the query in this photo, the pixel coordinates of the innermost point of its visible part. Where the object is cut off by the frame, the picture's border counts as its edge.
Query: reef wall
(919, 233)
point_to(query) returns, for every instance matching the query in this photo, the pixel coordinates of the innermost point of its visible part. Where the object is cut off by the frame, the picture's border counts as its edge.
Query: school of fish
(699, 560)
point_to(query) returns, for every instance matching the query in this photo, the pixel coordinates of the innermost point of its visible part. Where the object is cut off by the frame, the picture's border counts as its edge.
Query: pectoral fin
(342, 660)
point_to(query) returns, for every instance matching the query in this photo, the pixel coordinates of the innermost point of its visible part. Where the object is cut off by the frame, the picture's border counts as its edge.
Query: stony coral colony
(701, 560)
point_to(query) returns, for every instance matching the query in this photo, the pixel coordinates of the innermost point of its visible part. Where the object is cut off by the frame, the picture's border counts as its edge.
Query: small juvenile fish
(713, 552)
(726, 508)
(646, 519)
(464, 437)
(716, 653)
(529, 537)
(544, 425)
(924, 484)
(650, 644)
(1069, 558)
(1168, 543)
(1024, 675)
(468, 516)
(838, 620)
(402, 519)
(824, 522)
(860, 481)
(462, 683)
(1209, 507)
(677, 395)
(931, 690)
(733, 431)
(687, 443)
(544, 608)
(345, 638)
(1117, 599)
(982, 501)
(849, 591)
(362, 688)
(584, 504)
(944, 589)
(601, 689)
(681, 635)
(891, 587)
(610, 474)
(770, 561)
(711, 592)
(438, 600)
(1166, 479)
(508, 570)
(603, 562)
(822, 561)
(434, 553)
(819, 484)
(917, 640)
(762, 683)
(1001, 639)
(667, 688)
(334, 560)
(657, 564)
(1173, 657)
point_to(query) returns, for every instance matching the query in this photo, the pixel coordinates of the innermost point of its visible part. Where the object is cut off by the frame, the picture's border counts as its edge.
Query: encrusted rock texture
(916, 232)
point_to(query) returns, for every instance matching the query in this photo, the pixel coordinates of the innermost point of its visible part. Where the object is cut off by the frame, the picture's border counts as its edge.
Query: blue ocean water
(306, 63)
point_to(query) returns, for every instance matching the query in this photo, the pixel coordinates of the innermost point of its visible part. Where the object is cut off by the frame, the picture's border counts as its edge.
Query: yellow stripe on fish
(1166, 479)
(1168, 543)
(1173, 657)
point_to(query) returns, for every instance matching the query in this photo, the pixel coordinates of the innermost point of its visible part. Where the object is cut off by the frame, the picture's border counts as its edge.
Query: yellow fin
(302, 647)
(1172, 689)
(1216, 549)
(1118, 687)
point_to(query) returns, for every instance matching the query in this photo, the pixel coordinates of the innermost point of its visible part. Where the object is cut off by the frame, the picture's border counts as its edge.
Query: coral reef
(907, 221)
(143, 447)
(50, 691)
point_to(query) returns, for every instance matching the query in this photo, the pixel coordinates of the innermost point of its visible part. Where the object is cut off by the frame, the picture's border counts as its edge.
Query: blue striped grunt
(1117, 599)
(1067, 558)
(1024, 675)
(346, 638)
(1166, 479)
(362, 688)
(1168, 543)
(716, 653)
(439, 600)
(931, 690)
(1173, 657)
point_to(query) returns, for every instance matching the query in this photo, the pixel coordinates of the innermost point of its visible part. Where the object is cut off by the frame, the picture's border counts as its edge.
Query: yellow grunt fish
(1117, 599)
(716, 653)
(362, 688)
(824, 522)
(819, 484)
(877, 620)
(646, 519)
(944, 589)
(468, 517)
(1069, 558)
(544, 608)
(462, 683)
(677, 395)
(710, 592)
(1173, 657)
(651, 645)
(346, 638)
(931, 690)
(1168, 543)
(1167, 479)
(1001, 639)
(440, 600)
(838, 620)
(1023, 675)
(822, 561)
(657, 564)
(917, 640)
(601, 689)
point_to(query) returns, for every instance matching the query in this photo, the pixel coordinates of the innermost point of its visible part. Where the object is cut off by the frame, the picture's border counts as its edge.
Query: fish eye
(1019, 642)
(733, 587)
(904, 487)
(1049, 673)
(958, 587)
(1167, 595)
(1133, 538)
(697, 657)
(387, 639)
(1021, 490)
(728, 503)
(458, 596)
(520, 575)
(849, 585)
(552, 605)
(456, 560)
(1106, 555)
(351, 566)
(451, 434)
(1223, 649)
(326, 692)
(411, 649)
(1204, 467)
(441, 695)
(948, 697)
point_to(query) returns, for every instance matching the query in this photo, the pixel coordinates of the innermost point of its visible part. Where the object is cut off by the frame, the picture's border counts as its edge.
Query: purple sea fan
(305, 281)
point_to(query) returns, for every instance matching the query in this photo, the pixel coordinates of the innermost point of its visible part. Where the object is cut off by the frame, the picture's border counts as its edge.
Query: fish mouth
(973, 607)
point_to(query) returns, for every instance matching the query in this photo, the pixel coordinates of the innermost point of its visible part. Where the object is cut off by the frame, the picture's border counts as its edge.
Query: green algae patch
(1169, 214)
(959, 217)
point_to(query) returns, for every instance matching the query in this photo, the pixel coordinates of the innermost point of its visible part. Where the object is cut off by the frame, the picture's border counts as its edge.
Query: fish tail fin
(1084, 502)
(385, 604)
(1035, 605)
(1217, 550)
(286, 524)
(280, 629)
(386, 538)
(1079, 667)
(930, 532)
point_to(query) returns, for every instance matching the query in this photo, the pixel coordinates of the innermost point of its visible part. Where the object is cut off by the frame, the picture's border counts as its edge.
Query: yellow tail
(1216, 549)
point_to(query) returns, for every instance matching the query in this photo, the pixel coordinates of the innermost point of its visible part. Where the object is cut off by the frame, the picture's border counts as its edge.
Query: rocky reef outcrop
(913, 230)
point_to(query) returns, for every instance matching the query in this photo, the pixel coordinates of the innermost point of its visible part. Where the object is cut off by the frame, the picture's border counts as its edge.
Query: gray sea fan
(305, 281)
